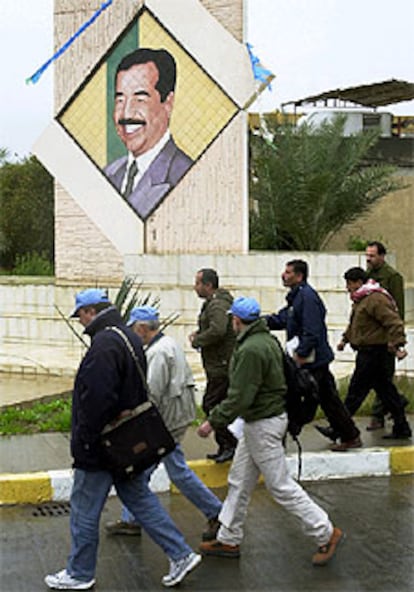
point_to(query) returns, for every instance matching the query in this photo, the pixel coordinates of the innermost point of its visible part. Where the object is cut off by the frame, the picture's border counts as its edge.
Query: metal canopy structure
(369, 95)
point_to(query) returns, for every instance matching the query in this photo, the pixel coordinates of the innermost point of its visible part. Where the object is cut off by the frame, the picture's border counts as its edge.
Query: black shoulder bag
(138, 438)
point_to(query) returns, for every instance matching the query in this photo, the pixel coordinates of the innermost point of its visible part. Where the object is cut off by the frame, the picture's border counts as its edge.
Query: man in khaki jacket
(374, 330)
(215, 340)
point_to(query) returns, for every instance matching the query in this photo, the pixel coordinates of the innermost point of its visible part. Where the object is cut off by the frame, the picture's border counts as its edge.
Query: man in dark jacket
(257, 393)
(392, 281)
(215, 339)
(108, 383)
(304, 321)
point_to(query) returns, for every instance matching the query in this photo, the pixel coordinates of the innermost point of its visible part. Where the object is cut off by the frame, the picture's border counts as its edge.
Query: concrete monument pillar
(199, 208)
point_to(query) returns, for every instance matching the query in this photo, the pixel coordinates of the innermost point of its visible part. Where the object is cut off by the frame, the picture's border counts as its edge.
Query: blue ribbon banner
(35, 77)
(261, 74)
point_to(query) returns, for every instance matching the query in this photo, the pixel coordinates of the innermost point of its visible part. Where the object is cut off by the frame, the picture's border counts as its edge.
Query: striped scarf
(368, 288)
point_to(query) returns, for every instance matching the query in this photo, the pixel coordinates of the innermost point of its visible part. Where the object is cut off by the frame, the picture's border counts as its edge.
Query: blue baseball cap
(247, 309)
(89, 297)
(143, 314)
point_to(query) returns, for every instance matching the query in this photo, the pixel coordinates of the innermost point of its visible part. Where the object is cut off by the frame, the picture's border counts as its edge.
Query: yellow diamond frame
(201, 108)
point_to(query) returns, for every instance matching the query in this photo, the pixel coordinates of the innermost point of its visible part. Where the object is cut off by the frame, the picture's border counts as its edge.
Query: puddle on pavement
(20, 388)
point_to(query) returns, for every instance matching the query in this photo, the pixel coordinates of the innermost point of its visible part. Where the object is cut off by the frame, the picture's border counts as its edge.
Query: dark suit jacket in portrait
(162, 175)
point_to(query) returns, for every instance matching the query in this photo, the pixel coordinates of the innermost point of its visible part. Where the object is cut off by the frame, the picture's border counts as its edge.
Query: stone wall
(35, 339)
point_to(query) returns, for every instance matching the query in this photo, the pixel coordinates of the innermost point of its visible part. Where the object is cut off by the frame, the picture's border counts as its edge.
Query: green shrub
(36, 417)
(33, 264)
(27, 209)
(357, 243)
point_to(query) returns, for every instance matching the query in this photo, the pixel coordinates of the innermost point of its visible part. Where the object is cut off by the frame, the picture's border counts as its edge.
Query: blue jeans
(188, 483)
(89, 493)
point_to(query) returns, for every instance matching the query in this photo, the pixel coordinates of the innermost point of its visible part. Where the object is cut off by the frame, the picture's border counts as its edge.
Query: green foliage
(129, 296)
(306, 183)
(53, 416)
(357, 243)
(33, 264)
(26, 204)
(4, 155)
(199, 418)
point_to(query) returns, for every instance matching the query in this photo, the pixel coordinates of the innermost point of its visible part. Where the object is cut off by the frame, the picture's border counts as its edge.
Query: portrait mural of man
(144, 99)
(146, 113)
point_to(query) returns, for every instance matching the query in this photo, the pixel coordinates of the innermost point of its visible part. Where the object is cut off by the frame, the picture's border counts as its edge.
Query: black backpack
(302, 396)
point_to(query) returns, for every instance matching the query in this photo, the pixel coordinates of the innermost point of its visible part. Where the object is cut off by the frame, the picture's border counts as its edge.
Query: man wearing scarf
(375, 328)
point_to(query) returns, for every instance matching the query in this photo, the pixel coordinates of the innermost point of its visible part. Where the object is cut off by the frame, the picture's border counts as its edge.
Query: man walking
(108, 383)
(171, 386)
(215, 339)
(304, 321)
(392, 281)
(375, 329)
(257, 393)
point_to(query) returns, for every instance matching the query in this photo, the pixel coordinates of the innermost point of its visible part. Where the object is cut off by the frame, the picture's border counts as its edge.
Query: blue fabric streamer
(259, 73)
(35, 77)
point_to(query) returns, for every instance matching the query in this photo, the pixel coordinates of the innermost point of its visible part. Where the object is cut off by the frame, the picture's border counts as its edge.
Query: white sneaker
(180, 568)
(63, 581)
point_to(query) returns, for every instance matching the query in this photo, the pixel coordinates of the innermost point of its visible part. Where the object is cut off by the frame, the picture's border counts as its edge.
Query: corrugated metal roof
(369, 95)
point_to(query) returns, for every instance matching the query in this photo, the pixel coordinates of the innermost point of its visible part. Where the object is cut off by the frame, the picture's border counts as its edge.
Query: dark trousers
(372, 372)
(378, 409)
(216, 391)
(337, 414)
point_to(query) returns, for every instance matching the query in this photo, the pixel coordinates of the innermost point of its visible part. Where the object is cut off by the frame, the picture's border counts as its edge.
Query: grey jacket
(171, 384)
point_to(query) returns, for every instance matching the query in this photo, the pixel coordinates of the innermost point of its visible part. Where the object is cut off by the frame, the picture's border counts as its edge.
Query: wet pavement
(376, 513)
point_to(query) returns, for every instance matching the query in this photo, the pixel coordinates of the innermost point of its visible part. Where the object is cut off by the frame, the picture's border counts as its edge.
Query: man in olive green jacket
(390, 279)
(215, 339)
(257, 393)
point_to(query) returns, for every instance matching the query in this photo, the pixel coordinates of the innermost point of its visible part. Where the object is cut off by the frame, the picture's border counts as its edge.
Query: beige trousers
(260, 451)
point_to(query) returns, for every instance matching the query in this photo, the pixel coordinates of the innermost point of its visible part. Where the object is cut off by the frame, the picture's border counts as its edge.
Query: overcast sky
(310, 45)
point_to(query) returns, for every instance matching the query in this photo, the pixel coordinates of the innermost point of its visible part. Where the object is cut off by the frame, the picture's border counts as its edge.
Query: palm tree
(307, 182)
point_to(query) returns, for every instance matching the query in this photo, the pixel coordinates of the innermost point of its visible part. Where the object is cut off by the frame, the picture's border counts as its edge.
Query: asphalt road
(377, 555)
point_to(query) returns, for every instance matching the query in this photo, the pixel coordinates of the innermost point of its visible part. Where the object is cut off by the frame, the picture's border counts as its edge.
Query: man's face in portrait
(141, 119)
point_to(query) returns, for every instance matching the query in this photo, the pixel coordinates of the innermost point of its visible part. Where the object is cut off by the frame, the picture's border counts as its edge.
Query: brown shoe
(376, 423)
(211, 531)
(219, 549)
(120, 527)
(326, 552)
(344, 446)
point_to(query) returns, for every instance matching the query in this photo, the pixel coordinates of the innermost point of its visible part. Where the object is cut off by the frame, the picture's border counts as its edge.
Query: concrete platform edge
(55, 486)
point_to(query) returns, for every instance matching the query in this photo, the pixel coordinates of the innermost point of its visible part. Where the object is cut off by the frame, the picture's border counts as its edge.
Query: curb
(55, 486)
